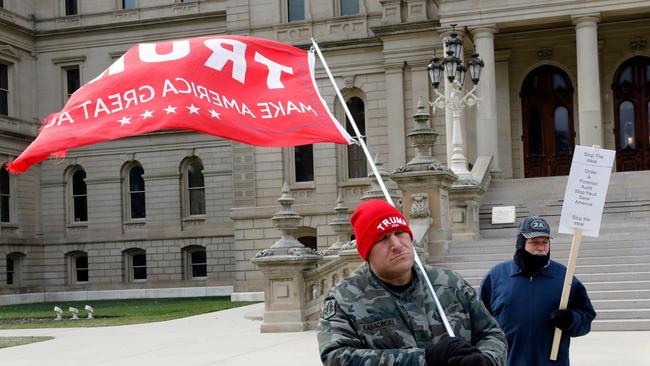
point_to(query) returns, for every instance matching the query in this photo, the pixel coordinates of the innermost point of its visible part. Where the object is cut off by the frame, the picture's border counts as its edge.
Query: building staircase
(615, 267)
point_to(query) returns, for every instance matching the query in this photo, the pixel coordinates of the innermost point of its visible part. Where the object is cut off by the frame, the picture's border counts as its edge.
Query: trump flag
(256, 91)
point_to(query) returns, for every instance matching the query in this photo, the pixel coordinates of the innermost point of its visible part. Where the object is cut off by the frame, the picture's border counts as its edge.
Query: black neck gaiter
(531, 264)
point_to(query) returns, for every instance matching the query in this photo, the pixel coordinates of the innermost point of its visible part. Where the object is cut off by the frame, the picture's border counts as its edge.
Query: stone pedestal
(464, 204)
(284, 297)
(425, 184)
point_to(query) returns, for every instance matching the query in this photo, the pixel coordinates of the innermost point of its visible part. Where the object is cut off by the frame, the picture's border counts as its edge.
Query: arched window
(5, 195)
(14, 266)
(77, 262)
(356, 159)
(632, 114)
(193, 188)
(135, 265)
(547, 122)
(195, 263)
(136, 192)
(78, 196)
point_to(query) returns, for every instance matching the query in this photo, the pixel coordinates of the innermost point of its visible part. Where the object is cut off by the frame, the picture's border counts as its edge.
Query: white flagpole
(441, 311)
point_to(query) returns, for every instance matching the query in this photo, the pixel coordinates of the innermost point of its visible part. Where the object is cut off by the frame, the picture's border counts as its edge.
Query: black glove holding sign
(448, 349)
(562, 319)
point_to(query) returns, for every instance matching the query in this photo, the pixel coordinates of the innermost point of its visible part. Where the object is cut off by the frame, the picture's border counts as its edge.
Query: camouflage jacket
(364, 323)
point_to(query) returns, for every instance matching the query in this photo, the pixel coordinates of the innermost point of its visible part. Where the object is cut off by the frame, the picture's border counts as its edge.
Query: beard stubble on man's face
(392, 257)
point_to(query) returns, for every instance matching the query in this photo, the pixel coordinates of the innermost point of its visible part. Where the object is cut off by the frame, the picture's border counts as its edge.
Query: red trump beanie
(372, 220)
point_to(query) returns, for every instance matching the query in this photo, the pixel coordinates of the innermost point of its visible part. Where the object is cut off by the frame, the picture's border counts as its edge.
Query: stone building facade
(177, 209)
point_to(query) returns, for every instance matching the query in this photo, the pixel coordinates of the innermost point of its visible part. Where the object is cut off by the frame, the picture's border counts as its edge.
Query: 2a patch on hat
(533, 227)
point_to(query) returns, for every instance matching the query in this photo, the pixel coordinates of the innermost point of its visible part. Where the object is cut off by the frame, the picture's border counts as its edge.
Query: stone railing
(319, 281)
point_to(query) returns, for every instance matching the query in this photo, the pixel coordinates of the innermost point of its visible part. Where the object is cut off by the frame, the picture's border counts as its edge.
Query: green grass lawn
(111, 312)
(18, 341)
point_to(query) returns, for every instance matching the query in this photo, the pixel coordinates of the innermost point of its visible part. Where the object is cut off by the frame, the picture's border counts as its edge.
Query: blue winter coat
(522, 306)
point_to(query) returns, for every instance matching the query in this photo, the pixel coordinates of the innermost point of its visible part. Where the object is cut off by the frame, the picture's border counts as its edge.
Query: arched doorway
(547, 122)
(631, 97)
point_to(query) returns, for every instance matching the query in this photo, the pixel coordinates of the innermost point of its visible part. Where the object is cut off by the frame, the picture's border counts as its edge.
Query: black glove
(562, 319)
(473, 359)
(438, 354)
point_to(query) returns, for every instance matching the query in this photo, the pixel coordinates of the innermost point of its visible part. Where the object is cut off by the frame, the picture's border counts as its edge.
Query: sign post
(582, 210)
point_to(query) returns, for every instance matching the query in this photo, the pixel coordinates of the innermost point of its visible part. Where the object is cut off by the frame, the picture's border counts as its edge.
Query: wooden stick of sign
(566, 290)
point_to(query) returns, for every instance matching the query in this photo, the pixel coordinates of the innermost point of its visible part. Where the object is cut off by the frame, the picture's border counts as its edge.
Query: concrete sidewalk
(231, 337)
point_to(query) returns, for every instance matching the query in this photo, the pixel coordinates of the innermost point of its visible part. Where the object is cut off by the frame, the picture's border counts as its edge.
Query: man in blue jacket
(523, 294)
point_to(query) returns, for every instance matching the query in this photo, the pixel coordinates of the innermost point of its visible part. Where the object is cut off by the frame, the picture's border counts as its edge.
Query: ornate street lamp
(455, 71)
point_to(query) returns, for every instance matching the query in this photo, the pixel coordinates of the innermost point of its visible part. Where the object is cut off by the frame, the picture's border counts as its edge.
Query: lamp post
(455, 71)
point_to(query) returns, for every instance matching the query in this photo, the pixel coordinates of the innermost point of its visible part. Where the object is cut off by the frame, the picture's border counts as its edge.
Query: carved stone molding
(420, 206)
(638, 44)
(544, 53)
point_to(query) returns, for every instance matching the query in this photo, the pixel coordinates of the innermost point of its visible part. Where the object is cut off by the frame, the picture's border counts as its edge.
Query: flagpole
(354, 125)
(441, 311)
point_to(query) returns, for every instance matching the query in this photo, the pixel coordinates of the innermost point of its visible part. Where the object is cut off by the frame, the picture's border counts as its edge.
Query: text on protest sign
(586, 190)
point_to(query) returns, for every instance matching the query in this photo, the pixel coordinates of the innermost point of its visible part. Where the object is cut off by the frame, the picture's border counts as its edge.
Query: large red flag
(252, 90)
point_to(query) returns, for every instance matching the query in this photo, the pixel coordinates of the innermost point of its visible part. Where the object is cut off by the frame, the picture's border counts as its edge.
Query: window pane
(70, 7)
(626, 119)
(296, 10)
(80, 208)
(647, 73)
(81, 262)
(4, 181)
(197, 202)
(559, 84)
(82, 275)
(4, 77)
(139, 260)
(10, 264)
(535, 143)
(10, 271)
(4, 102)
(136, 181)
(195, 175)
(198, 257)
(78, 182)
(304, 156)
(626, 75)
(199, 270)
(561, 116)
(4, 209)
(349, 7)
(128, 4)
(357, 166)
(138, 209)
(73, 80)
(139, 273)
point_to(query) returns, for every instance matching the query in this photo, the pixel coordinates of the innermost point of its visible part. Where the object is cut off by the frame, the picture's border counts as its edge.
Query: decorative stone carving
(374, 191)
(420, 206)
(638, 44)
(544, 53)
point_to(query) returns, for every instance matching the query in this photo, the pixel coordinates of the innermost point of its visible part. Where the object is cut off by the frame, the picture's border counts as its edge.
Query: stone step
(621, 304)
(628, 313)
(616, 325)
(561, 254)
(619, 294)
(618, 241)
(580, 271)
(617, 285)
(585, 278)
(581, 262)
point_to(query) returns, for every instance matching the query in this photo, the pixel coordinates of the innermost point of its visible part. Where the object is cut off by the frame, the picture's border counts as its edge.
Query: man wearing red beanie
(384, 314)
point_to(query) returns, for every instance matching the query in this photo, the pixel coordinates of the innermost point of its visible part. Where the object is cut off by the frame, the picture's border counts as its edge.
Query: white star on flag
(147, 114)
(170, 109)
(124, 121)
(193, 109)
(215, 114)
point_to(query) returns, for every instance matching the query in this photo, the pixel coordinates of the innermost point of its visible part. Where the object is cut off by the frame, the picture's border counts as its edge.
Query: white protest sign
(586, 189)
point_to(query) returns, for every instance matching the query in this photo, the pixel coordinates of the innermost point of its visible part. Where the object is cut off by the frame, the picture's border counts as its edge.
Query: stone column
(487, 142)
(589, 102)
(395, 115)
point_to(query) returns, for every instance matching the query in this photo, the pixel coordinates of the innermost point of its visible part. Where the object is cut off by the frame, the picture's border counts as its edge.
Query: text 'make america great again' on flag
(256, 91)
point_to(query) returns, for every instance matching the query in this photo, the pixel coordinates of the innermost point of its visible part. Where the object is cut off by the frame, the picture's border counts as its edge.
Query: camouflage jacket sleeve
(486, 333)
(339, 343)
